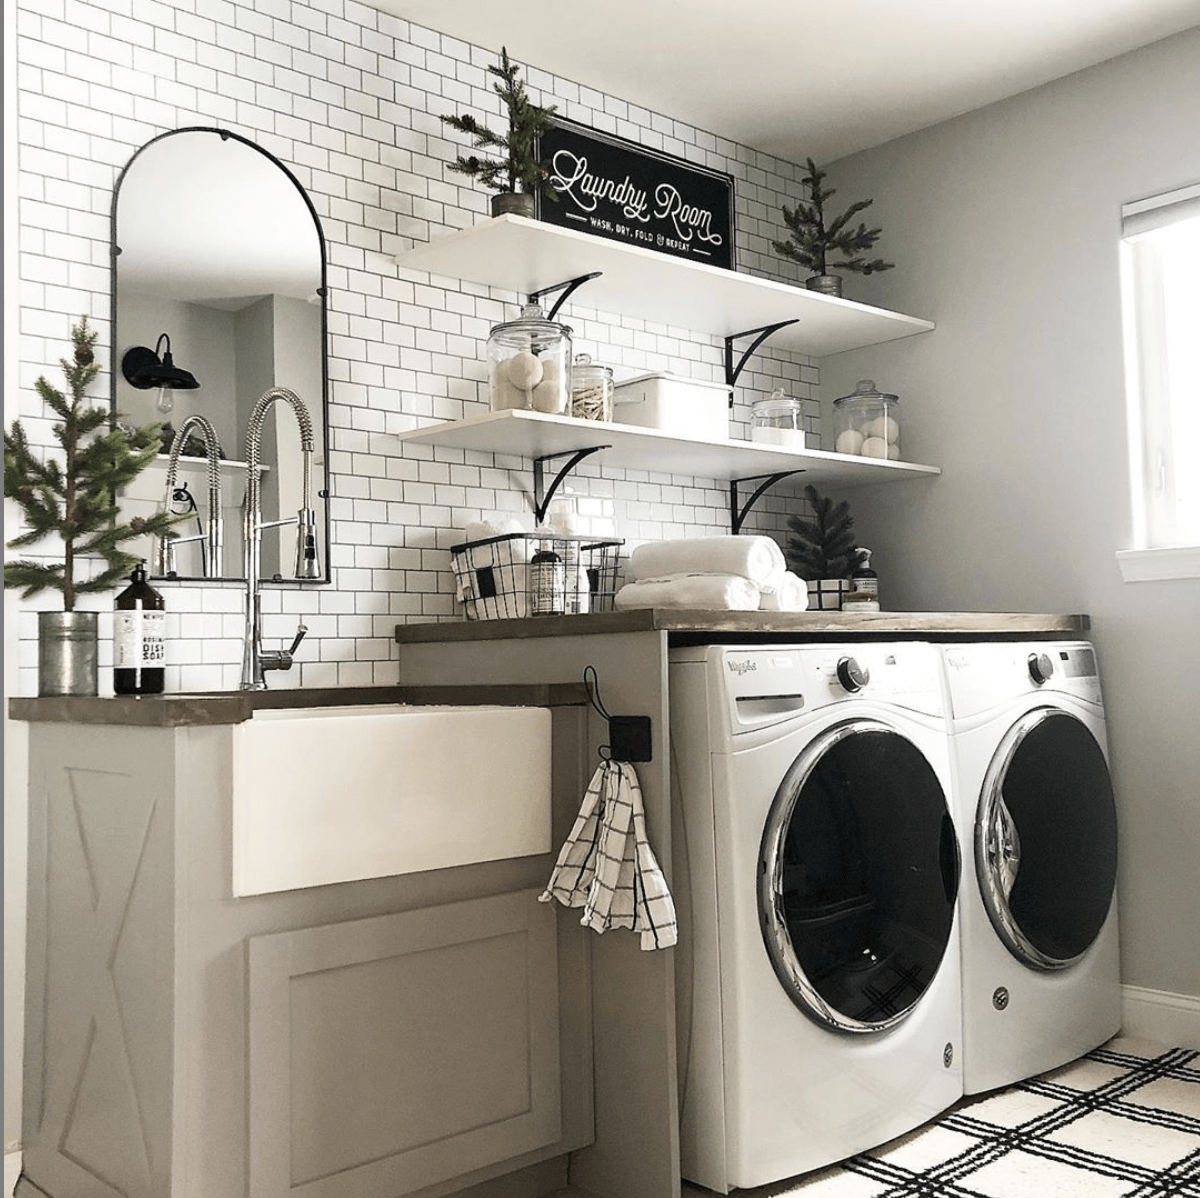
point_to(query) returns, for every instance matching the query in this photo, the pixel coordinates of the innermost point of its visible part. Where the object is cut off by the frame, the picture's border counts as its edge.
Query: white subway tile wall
(349, 99)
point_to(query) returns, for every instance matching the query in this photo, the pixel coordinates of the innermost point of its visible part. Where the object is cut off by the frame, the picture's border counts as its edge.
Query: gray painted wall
(1004, 226)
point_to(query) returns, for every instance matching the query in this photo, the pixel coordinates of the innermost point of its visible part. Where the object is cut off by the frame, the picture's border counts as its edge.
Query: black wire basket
(533, 574)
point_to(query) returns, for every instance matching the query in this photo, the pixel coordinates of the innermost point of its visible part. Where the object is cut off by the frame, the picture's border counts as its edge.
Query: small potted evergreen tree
(72, 494)
(514, 171)
(815, 239)
(822, 550)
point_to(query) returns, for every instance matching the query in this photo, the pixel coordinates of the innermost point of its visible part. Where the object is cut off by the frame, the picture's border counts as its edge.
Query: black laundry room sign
(617, 189)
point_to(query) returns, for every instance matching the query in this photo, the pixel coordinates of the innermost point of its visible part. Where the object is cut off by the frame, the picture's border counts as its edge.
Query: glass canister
(778, 419)
(867, 422)
(529, 363)
(591, 389)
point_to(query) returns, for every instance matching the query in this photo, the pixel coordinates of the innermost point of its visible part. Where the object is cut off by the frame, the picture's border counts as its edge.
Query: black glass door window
(858, 877)
(1046, 839)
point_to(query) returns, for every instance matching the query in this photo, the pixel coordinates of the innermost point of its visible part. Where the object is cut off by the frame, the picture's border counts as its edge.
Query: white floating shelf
(534, 434)
(522, 255)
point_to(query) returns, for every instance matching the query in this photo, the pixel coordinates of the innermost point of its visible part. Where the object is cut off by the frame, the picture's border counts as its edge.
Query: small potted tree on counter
(72, 494)
(814, 242)
(822, 550)
(514, 172)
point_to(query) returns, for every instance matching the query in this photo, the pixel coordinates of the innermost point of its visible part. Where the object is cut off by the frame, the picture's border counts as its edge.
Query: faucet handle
(281, 659)
(301, 630)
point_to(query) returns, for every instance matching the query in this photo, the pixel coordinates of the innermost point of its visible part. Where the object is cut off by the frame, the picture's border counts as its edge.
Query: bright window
(1161, 283)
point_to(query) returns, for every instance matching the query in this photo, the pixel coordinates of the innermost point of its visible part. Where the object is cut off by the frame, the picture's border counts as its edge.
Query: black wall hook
(628, 735)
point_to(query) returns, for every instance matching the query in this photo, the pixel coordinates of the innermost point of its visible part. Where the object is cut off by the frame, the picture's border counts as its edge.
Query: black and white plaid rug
(1121, 1122)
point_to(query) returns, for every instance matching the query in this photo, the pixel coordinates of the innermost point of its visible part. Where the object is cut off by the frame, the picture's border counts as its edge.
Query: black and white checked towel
(607, 867)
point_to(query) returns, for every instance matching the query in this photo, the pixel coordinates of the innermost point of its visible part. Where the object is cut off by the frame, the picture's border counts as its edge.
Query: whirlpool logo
(744, 666)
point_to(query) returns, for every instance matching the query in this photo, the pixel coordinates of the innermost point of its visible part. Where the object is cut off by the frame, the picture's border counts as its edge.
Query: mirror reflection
(219, 296)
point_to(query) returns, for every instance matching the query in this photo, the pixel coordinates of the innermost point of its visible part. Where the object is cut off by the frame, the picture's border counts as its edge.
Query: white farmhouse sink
(335, 794)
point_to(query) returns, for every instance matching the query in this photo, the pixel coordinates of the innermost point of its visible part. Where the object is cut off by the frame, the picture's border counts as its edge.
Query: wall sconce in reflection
(143, 369)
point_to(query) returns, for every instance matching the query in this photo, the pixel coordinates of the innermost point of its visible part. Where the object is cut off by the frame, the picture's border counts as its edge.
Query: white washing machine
(815, 872)
(1037, 820)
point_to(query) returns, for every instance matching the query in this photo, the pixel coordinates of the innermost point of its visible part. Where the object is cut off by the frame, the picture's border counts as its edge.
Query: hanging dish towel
(607, 866)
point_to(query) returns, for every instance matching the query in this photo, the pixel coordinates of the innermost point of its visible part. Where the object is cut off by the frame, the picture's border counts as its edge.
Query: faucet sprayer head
(308, 563)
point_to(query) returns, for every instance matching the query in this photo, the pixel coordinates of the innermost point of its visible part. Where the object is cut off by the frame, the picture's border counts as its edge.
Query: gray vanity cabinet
(411, 1035)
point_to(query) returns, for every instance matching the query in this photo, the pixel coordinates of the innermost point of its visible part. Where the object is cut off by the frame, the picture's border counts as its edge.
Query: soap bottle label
(547, 584)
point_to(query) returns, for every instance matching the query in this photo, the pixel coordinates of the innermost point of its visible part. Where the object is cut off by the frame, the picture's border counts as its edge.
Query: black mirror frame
(115, 253)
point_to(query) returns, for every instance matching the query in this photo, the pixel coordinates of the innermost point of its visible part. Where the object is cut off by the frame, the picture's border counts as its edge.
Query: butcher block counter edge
(233, 707)
(693, 627)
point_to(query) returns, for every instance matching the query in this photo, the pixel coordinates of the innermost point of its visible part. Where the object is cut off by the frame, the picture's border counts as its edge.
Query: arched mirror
(219, 277)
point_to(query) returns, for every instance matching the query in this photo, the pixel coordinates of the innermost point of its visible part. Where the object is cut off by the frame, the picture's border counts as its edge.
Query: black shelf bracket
(760, 335)
(737, 515)
(566, 288)
(542, 496)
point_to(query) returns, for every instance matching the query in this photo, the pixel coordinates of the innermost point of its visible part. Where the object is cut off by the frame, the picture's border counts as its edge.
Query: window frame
(1158, 553)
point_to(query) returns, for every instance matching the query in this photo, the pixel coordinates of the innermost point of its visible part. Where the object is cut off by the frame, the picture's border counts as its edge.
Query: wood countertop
(686, 627)
(234, 707)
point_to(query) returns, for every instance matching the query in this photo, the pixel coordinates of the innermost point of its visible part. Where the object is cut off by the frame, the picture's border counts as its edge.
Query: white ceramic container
(682, 407)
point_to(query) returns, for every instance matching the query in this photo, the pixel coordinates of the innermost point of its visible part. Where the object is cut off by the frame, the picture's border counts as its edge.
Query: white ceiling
(807, 78)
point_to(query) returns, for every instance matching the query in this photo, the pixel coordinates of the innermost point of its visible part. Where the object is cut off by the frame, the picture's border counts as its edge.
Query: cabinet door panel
(390, 1054)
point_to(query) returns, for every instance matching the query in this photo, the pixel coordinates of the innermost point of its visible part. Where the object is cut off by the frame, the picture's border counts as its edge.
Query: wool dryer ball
(884, 427)
(524, 370)
(875, 447)
(849, 440)
(548, 396)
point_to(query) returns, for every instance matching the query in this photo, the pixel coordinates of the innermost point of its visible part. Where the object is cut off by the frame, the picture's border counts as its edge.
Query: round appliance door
(858, 875)
(1046, 839)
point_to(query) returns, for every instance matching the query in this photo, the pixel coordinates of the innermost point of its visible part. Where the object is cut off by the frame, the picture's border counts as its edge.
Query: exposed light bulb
(166, 400)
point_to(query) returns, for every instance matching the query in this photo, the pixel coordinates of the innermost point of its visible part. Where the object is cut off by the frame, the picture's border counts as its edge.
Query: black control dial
(851, 675)
(1041, 667)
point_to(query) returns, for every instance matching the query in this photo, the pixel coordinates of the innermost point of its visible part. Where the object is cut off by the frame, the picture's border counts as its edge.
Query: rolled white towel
(707, 592)
(790, 593)
(757, 558)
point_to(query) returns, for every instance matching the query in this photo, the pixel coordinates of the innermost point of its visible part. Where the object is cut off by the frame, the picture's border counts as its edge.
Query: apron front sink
(337, 794)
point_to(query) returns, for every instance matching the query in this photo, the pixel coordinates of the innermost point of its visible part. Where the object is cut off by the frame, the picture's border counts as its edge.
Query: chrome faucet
(212, 538)
(255, 659)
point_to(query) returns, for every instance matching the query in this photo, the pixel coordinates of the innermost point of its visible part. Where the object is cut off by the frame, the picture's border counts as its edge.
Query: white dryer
(815, 871)
(1037, 819)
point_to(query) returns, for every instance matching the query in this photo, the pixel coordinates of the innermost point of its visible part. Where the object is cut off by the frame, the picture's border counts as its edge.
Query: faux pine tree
(517, 161)
(813, 241)
(823, 545)
(73, 494)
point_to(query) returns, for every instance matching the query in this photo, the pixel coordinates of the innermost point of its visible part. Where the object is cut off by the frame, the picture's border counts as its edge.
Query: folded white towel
(505, 594)
(757, 558)
(516, 549)
(790, 593)
(606, 865)
(708, 592)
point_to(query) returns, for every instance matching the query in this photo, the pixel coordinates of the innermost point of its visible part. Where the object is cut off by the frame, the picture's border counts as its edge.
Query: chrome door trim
(998, 846)
(773, 919)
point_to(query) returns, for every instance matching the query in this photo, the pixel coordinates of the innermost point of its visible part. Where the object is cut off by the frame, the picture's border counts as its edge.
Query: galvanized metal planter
(67, 653)
(518, 203)
(825, 284)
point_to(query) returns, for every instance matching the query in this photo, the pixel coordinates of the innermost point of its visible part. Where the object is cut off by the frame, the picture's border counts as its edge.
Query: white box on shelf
(672, 404)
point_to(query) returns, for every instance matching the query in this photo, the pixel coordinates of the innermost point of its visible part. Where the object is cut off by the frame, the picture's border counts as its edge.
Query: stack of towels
(732, 573)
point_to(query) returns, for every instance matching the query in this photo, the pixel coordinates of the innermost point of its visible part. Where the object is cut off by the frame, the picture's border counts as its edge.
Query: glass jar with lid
(867, 422)
(529, 363)
(778, 419)
(591, 389)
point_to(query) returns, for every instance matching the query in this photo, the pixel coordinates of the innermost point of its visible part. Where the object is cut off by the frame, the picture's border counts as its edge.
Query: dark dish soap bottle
(139, 642)
(864, 585)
